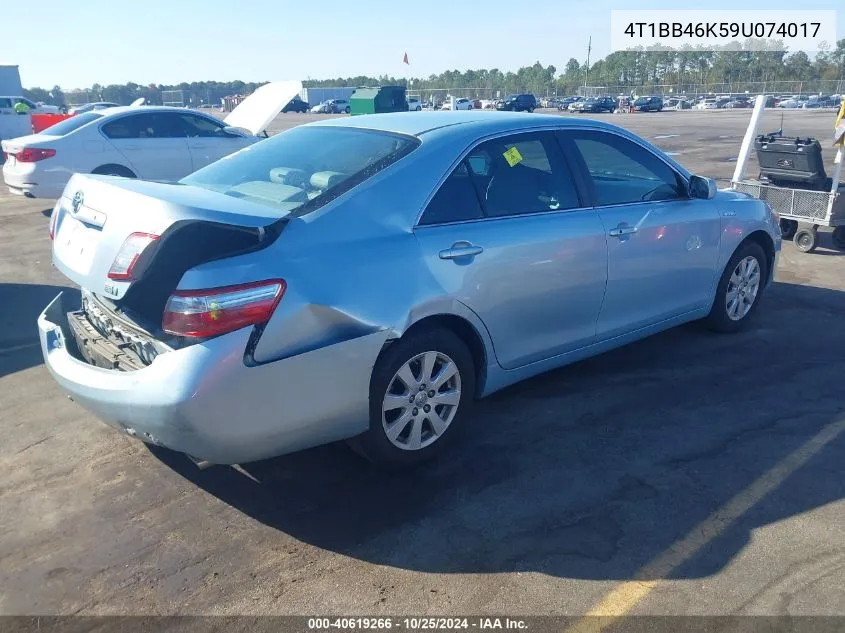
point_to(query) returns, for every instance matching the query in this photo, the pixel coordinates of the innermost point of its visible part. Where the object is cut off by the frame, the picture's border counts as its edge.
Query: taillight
(34, 154)
(53, 218)
(201, 313)
(127, 256)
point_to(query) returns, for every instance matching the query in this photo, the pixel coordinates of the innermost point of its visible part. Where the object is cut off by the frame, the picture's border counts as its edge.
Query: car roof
(458, 122)
(117, 111)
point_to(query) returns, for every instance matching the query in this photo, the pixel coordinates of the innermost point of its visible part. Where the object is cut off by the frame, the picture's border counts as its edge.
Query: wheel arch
(464, 329)
(116, 167)
(767, 244)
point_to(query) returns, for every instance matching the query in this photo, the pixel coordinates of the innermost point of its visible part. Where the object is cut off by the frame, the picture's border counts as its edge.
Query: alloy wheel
(743, 288)
(421, 401)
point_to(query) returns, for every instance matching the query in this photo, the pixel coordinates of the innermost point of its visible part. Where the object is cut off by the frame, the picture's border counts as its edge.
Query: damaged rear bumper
(204, 400)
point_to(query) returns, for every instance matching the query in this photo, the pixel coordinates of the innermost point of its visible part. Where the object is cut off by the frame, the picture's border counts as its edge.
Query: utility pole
(587, 69)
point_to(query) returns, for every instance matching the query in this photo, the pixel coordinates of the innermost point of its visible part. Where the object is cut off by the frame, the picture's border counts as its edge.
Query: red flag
(405, 59)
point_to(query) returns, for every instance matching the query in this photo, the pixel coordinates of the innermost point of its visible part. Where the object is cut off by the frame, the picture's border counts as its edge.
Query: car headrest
(326, 179)
(288, 176)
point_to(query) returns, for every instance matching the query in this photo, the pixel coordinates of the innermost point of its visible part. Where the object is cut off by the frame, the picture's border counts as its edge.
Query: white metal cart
(801, 211)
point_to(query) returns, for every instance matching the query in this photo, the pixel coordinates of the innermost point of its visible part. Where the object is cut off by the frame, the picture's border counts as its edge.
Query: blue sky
(168, 41)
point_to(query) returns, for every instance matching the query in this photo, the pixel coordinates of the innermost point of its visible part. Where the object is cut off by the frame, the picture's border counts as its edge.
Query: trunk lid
(256, 112)
(15, 145)
(96, 214)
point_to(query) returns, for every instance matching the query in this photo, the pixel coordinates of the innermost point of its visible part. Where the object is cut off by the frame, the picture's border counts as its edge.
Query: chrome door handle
(461, 249)
(622, 229)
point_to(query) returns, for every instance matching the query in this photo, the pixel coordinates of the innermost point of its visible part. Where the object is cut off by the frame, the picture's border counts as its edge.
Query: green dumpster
(383, 99)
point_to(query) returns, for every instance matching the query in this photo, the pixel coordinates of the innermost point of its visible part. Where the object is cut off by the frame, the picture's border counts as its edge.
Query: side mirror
(703, 188)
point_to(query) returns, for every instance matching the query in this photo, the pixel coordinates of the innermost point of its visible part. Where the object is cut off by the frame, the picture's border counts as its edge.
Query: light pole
(587, 68)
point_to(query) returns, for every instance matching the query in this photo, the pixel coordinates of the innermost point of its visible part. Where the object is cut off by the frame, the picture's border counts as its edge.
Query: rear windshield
(302, 169)
(73, 123)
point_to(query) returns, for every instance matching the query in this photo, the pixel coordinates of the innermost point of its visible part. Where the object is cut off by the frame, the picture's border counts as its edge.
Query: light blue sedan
(366, 279)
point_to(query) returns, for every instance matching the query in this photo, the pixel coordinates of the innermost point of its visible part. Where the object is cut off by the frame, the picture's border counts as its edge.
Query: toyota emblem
(78, 199)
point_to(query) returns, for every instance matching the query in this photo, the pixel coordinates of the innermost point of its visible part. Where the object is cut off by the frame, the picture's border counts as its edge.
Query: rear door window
(145, 126)
(511, 175)
(522, 173)
(455, 201)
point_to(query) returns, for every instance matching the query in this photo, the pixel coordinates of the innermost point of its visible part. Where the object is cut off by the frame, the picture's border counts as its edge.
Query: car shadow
(22, 303)
(594, 470)
(47, 212)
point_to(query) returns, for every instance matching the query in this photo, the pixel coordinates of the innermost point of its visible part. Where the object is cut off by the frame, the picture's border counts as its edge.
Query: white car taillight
(53, 218)
(127, 256)
(201, 313)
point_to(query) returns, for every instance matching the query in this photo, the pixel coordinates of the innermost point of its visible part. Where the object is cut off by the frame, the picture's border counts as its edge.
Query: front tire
(740, 288)
(421, 389)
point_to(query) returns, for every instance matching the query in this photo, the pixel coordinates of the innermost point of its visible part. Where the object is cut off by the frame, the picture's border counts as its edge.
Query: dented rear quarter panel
(352, 268)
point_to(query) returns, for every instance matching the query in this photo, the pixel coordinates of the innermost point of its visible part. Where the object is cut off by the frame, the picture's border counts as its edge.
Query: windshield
(73, 123)
(642, 100)
(303, 168)
(511, 97)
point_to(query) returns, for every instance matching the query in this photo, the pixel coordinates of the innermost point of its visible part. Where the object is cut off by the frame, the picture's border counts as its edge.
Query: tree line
(646, 70)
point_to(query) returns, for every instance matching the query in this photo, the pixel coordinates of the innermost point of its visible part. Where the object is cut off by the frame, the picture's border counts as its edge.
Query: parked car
(324, 107)
(706, 104)
(223, 294)
(150, 142)
(575, 106)
(92, 107)
(519, 103)
(676, 104)
(564, 103)
(460, 104)
(737, 103)
(414, 104)
(648, 104)
(8, 103)
(296, 105)
(599, 104)
(339, 106)
(790, 104)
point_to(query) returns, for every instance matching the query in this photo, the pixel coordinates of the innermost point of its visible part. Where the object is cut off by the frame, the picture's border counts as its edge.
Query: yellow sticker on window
(513, 156)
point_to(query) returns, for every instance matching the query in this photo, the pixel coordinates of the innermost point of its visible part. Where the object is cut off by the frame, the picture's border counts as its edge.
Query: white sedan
(88, 107)
(148, 142)
(460, 104)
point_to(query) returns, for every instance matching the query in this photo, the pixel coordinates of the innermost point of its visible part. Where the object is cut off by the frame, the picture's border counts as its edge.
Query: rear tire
(401, 432)
(114, 170)
(740, 289)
